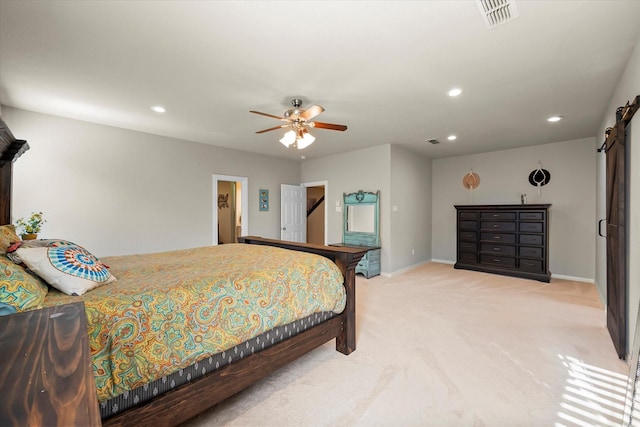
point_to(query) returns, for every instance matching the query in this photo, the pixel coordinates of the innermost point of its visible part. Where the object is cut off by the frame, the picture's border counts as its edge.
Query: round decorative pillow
(71, 269)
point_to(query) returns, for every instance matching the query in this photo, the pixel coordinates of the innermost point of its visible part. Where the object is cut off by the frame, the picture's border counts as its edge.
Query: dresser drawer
(468, 236)
(531, 265)
(498, 226)
(498, 260)
(498, 249)
(468, 215)
(468, 247)
(530, 239)
(498, 215)
(532, 216)
(363, 264)
(530, 252)
(531, 227)
(498, 238)
(468, 258)
(467, 225)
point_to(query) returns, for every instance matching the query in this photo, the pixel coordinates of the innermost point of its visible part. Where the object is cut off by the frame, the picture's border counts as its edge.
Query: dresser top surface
(502, 207)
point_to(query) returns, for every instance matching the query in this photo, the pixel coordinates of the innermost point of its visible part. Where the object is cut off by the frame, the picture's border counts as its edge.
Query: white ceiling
(382, 68)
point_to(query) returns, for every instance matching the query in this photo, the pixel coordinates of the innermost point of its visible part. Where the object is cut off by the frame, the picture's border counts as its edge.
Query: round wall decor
(471, 180)
(539, 177)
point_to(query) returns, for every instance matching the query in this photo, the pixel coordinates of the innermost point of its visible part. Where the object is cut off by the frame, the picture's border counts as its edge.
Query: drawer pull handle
(495, 225)
(497, 249)
(496, 260)
(496, 215)
(497, 237)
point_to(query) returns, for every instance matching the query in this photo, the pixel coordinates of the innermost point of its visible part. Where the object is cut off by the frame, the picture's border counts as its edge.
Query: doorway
(230, 208)
(304, 212)
(316, 213)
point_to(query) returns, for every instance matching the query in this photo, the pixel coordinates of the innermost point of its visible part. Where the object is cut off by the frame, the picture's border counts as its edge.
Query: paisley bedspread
(168, 310)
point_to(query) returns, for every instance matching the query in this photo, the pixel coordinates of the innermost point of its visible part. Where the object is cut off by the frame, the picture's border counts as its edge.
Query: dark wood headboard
(10, 149)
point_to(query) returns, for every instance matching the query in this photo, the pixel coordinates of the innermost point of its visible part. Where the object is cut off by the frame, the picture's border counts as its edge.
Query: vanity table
(361, 229)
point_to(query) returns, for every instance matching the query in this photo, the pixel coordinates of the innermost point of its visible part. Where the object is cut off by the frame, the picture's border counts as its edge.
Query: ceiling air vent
(433, 141)
(497, 12)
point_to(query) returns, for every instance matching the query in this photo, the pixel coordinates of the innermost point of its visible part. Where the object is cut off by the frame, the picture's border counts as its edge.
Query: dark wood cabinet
(504, 239)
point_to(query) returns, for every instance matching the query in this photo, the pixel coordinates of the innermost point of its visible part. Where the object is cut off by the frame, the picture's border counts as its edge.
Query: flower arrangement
(30, 225)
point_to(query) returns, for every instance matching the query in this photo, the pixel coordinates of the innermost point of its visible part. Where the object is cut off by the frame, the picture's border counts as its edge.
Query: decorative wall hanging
(223, 201)
(264, 200)
(471, 181)
(539, 177)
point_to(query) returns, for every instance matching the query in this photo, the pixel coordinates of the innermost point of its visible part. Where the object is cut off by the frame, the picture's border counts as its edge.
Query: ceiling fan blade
(331, 126)
(268, 115)
(311, 112)
(273, 128)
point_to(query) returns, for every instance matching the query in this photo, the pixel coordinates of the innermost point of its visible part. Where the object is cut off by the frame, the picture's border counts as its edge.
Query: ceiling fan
(299, 120)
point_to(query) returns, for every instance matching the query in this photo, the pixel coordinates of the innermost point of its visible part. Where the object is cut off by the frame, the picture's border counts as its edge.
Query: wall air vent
(497, 12)
(433, 141)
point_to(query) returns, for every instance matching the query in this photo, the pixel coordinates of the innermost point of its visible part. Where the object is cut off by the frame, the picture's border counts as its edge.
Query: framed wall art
(264, 200)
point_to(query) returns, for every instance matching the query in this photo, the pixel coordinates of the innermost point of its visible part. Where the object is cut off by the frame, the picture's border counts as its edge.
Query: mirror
(361, 218)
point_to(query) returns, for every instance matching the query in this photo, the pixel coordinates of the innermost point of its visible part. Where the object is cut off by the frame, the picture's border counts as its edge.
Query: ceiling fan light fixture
(298, 120)
(305, 141)
(288, 138)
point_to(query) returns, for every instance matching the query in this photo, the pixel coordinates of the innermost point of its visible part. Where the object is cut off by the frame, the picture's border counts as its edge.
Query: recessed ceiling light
(554, 119)
(159, 109)
(454, 92)
(303, 157)
(451, 137)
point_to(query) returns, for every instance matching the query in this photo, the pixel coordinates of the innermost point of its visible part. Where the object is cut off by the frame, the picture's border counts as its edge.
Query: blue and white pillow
(69, 268)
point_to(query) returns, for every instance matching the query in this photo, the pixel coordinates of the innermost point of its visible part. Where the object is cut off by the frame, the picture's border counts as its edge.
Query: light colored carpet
(444, 347)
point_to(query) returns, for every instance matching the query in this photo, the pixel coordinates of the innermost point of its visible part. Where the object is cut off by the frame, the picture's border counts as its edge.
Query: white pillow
(71, 269)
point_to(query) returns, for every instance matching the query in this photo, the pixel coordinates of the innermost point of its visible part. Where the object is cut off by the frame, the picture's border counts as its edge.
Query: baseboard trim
(573, 278)
(404, 270)
(443, 261)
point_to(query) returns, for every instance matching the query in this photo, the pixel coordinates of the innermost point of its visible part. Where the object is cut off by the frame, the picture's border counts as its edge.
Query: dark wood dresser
(512, 240)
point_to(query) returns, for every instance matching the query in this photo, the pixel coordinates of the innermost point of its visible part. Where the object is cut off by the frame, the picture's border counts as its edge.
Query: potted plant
(30, 227)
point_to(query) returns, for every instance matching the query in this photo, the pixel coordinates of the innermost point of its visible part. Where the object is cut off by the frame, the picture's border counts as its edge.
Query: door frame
(244, 203)
(325, 184)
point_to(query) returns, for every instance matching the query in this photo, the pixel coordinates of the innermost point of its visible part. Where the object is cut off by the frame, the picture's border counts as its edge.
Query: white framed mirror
(361, 218)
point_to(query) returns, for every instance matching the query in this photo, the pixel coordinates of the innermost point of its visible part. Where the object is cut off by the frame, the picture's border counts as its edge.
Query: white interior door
(293, 213)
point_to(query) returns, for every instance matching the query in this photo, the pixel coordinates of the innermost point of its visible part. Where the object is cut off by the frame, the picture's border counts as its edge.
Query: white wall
(367, 170)
(117, 191)
(504, 175)
(411, 222)
(627, 89)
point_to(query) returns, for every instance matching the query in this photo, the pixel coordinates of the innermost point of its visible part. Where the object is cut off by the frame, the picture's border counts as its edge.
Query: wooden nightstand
(46, 374)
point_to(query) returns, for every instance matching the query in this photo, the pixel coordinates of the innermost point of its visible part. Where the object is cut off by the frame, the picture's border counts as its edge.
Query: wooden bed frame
(185, 402)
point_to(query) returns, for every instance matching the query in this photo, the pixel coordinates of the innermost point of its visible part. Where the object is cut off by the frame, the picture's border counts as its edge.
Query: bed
(278, 324)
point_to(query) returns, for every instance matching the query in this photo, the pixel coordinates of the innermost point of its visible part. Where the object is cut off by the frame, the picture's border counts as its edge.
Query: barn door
(616, 243)
(293, 213)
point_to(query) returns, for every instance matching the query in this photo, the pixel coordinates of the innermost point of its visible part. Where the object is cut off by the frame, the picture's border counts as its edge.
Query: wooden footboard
(346, 259)
(197, 396)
